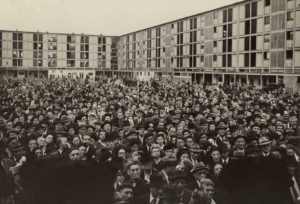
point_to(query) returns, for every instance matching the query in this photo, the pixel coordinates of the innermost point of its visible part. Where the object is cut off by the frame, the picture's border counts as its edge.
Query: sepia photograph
(150, 102)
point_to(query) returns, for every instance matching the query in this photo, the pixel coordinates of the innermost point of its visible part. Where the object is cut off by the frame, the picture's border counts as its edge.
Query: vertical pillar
(223, 79)
(247, 79)
(261, 81)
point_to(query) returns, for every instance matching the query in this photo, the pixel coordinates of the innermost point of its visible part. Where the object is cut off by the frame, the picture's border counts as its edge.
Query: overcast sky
(108, 17)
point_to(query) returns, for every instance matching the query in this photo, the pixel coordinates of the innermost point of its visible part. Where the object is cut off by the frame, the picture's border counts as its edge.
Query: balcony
(266, 45)
(290, 5)
(290, 24)
(267, 10)
(267, 27)
(289, 43)
(266, 63)
(288, 63)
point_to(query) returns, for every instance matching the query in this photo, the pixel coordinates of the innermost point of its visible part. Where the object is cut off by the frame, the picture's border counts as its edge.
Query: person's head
(160, 139)
(240, 142)
(178, 179)
(82, 151)
(74, 154)
(149, 138)
(82, 130)
(207, 187)
(134, 170)
(126, 191)
(217, 169)
(264, 144)
(41, 141)
(180, 142)
(200, 171)
(120, 115)
(155, 151)
(202, 138)
(189, 141)
(182, 155)
(49, 139)
(169, 150)
(76, 141)
(86, 140)
(71, 131)
(32, 144)
(215, 155)
(121, 153)
(38, 152)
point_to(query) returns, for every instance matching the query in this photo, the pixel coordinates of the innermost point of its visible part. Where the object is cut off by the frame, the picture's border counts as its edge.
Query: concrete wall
(291, 84)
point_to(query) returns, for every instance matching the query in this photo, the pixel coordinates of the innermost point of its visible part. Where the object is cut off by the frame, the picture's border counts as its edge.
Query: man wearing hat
(197, 154)
(140, 118)
(167, 165)
(148, 140)
(155, 185)
(265, 146)
(200, 171)
(178, 179)
(126, 192)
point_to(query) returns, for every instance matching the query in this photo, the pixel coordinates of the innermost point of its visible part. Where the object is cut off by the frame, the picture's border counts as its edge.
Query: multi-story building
(36, 54)
(252, 41)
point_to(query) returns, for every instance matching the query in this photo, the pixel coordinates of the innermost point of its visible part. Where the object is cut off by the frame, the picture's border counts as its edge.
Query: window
(289, 35)
(215, 58)
(267, 20)
(289, 54)
(253, 59)
(266, 55)
(15, 45)
(35, 38)
(253, 42)
(267, 38)
(290, 15)
(224, 60)
(267, 2)
(224, 31)
(247, 11)
(254, 9)
(246, 60)
(247, 42)
(247, 27)
(253, 26)
(224, 46)
(229, 30)
(229, 60)
(229, 15)
(224, 16)
(229, 45)
(15, 36)
(215, 29)
(215, 43)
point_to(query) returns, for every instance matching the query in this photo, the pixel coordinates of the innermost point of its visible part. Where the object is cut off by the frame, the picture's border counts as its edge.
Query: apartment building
(36, 54)
(253, 41)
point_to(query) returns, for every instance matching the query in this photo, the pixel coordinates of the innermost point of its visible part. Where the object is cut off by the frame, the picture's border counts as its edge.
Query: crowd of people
(166, 142)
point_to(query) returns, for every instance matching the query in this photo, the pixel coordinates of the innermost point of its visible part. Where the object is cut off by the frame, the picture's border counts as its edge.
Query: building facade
(254, 41)
(35, 54)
